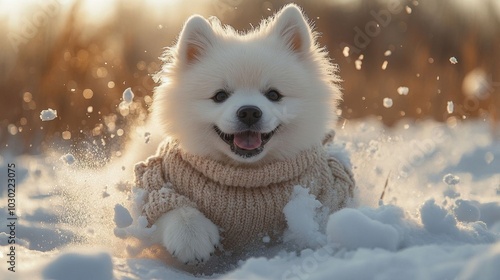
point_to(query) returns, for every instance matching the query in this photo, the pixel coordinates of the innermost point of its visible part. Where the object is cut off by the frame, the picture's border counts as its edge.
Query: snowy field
(439, 217)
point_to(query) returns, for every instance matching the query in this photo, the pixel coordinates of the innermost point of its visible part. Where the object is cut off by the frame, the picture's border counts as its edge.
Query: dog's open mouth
(246, 143)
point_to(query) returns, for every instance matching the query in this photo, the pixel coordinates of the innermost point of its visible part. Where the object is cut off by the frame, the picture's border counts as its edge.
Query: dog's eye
(220, 96)
(273, 95)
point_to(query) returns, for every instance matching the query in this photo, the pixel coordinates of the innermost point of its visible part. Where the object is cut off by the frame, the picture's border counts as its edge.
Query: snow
(122, 216)
(302, 218)
(489, 157)
(128, 95)
(453, 60)
(266, 239)
(98, 266)
(466, 211)
(403, 90)
(384, 65)
(478, 84)
(408, 9)
(439, 218)
(485, 264)
(449, 107)
(348, 227)
(358, 63)
(68, 159)
(48, 115)
(147, 137)
(345, 51)
(451, 179)
(387, 102)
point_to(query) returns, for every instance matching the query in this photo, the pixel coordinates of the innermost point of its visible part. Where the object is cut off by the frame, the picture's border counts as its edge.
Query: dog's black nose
(249, 114)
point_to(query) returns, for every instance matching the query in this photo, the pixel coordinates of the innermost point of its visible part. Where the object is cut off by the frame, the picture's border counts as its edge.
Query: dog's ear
(196, 38)
(291, 27)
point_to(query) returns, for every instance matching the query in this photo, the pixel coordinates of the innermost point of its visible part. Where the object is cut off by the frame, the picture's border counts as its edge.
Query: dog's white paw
(188, 235)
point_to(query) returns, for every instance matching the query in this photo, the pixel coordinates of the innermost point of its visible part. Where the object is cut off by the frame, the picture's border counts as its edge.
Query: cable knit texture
(245, 202)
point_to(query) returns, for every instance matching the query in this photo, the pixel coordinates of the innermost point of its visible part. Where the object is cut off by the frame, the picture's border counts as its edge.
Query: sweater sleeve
(344, 180)
(160, 194)
(340, 167)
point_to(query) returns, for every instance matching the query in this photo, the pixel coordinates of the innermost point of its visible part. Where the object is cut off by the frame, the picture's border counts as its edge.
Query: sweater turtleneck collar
(243, 176)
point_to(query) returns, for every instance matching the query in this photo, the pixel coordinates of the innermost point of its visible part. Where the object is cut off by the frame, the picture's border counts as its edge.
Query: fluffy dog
(246, 117)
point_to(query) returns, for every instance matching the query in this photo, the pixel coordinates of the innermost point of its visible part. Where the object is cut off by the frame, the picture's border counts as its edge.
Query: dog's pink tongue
(247, 140)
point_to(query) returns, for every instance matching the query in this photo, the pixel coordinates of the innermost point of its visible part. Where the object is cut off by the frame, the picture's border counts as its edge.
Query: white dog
(246, 116)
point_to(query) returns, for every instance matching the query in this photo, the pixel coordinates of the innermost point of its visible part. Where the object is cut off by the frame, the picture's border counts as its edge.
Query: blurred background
(400, 61)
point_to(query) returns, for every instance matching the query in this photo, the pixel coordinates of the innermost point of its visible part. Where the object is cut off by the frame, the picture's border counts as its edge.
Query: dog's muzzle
(247, 143)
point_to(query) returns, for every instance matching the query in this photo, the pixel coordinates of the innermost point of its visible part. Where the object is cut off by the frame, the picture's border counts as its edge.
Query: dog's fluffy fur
(282, 55)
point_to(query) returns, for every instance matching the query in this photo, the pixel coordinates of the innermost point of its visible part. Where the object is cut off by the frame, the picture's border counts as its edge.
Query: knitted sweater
(245, 202)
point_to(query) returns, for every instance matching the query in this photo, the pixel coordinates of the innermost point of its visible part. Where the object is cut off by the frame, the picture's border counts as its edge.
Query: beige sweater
(246, 203)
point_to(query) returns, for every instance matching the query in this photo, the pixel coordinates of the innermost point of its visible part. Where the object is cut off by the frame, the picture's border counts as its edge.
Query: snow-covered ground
(439, 217)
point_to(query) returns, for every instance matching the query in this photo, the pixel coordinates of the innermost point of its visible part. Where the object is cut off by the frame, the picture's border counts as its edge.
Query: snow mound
(303, 217)
(97, 266)
(351, 229)
(466, 211)
(48, 115)
(436, 219)
(442, 225)
(484, 266)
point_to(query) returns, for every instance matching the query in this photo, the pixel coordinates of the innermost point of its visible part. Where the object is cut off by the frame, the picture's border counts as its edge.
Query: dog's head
(248, 98)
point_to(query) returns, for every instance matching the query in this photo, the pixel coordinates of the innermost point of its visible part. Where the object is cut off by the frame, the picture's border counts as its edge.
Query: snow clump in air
(48, 115)
(122, 218)
(451, 179)
(450, 107)
(128, 95)
(388, 102)
(69, 159)
(403, 90)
